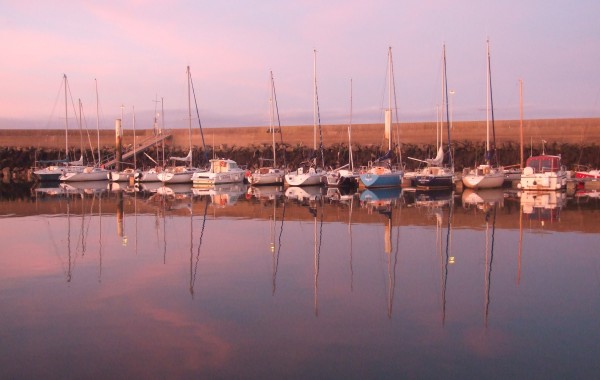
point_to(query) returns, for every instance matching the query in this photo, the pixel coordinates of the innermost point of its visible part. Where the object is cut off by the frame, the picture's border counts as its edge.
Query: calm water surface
(298, 283)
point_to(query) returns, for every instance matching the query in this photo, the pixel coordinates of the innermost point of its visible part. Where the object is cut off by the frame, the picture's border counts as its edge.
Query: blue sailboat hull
(381, 180)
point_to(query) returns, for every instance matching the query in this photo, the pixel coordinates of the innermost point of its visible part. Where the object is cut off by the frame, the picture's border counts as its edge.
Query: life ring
(222, 163)
(248, 173)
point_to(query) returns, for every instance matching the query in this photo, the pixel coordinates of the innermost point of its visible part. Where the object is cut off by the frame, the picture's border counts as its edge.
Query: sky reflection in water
(117, 285)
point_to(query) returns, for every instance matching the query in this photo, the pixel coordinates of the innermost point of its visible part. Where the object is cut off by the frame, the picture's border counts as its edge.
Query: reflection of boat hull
(85, 186)
(222, 195)
(265, 191)
(303, 193)
(483, 197)
(543, 206)
(374, 195)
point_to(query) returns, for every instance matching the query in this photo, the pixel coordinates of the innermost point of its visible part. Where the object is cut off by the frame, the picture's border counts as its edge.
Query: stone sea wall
(577, 140)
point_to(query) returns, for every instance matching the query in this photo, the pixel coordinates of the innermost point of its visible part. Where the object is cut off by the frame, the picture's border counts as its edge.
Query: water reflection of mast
(520, 245)
(350, 233)
(317, 252)
(194, 266)
(69, 273)
(489, 247)
(387, 211)
(100, 237)
(276, 254)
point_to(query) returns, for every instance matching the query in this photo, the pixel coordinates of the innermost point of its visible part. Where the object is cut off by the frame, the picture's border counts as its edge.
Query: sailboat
(127, 173)
(151, 174)
(269, 175)
(89, 173)
(435, 176)
(486, 176)
(58, 167)
(178, 173)
(308, 174)
(381, 173)
(345, 176)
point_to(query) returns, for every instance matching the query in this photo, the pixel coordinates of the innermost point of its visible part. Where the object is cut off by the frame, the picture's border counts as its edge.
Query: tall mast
(388, 111)
(98, 122)
(315, 99)
(66, 121)
(81, 129)
(487, 105)
(271, 116)
(521, 117)
(189, 76)
(445, 99)
(134, 142)
(350, 131)
(162, 118)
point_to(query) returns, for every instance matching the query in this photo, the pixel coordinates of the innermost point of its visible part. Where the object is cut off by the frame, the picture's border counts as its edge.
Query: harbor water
(99, 281)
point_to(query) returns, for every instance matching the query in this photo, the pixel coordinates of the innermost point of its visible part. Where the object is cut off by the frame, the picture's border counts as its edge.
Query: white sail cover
(78, 162)
(185, 159)
(437, 161)
(388, 124)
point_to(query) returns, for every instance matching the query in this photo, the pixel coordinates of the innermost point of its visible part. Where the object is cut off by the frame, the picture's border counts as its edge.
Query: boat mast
(81, 128)
(350, 132)
(189, 77)
(162, 118)
(315, 99)
(445, 100)
(271, 116)
(491, 104)
(521, 118)
(388, 111)
(134, 142)
(487, 106)
(98, 123)
(66, 121)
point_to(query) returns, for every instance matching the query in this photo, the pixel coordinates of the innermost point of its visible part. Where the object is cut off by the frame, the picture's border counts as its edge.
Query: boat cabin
(222, 165)
(545, 163)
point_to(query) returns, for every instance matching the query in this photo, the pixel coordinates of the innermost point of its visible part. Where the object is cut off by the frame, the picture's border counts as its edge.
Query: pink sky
(138, 51)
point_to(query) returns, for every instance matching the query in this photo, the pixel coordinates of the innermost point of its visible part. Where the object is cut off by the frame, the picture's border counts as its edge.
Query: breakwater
(577, 140)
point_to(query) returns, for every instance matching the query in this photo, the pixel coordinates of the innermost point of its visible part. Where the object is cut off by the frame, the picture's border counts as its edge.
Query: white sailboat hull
(483, 181)
(266, 176)
(299, 178)
(87, 174)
